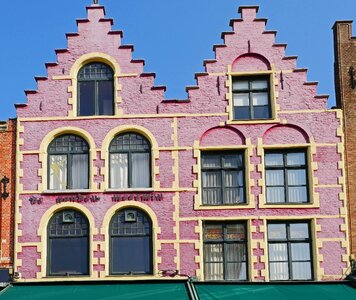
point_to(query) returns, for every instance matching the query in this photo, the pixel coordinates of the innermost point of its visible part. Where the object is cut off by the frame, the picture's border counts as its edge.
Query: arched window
(130, 242)
(68, 161)
(130, 161)
(95, 90)
(68, 244)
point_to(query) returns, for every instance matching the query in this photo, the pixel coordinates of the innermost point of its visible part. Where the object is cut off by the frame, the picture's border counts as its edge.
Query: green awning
(312, 291)
(91, 291)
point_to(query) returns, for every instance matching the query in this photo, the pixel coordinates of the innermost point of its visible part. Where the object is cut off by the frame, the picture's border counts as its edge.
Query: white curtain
(140, 170)
(58, 172)
(119, 170)
(278, 261)
(80, 170)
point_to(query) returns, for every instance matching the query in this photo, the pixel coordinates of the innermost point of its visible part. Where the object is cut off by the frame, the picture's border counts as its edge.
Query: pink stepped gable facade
(241, 181)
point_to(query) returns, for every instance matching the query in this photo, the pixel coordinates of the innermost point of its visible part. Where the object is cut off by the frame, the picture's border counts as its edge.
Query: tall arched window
(68, 161)
(130, 161)
(68, 244)
(130, 242)
(95, 90)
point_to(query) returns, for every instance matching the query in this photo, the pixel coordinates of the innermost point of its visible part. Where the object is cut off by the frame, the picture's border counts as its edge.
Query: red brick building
(7, 191)
(345, 89)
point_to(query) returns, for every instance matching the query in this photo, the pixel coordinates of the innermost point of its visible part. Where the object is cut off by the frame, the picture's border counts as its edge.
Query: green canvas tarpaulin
(312, 291)
(130, 291)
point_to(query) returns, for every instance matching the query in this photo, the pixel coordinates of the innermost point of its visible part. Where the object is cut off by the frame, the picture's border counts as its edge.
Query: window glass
(225, 251)
(95, 90)
(131, 243)
(130, 161)
(251, 98)
(68, 244)
(68, 161)
(289, 251)
(241, 100)
(260, 99)
(286, 177)
(222, 178)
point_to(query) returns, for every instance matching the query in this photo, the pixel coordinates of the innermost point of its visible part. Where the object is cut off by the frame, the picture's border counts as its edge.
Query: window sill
(225, 206)
(254, 121)
(129, 190)
(289, 205)
(79, 191)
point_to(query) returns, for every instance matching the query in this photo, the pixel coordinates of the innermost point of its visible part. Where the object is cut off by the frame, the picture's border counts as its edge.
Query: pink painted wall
(140, 96)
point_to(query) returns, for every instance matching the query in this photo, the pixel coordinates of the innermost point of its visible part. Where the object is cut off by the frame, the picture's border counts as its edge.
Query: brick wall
(345, 57)
(7, 168)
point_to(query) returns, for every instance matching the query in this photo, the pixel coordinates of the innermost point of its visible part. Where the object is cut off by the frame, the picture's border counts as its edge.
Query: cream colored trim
(131, 116)
(105, 152)
(156, 230)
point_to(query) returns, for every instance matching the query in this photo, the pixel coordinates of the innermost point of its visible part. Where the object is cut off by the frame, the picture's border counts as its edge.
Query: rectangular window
(286, 177)
(289, 250)
(251, 98)
(225, 251)
(222, 178)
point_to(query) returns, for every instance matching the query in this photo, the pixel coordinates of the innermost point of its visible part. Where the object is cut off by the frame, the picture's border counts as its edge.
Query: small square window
(251, 98)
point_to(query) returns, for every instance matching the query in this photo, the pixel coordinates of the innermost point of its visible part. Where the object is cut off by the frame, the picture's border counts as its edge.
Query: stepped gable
(53, 97)
(250, 47)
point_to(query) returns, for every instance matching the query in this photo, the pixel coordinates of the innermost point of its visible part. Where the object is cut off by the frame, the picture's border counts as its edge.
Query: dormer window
(251, 98)
(95, 90)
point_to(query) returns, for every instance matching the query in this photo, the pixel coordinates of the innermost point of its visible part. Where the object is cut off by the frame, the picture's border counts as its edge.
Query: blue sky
(174, 37)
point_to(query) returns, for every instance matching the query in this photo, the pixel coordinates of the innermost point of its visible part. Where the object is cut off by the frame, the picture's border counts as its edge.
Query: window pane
(278, 252)
(233, 161)
(211, 179)
(212, 196)
(79, 171)
(241, 99)
(214, 271)
(274, 159)
(295, 159)
(274, 177)
(301, 271)
(235, 252)
(233, 178)
(213, 232)
(299, 231)
(278, 271)
(131, 254)
(87, 98)
(296, 177)
(235, 231)
(298, 194)
(235, 271)
(242, 113)
(275, 194)
(259, 84)
(118, 170)
(211, 161)
(300, 251)
(105, 97)
(277, 231)
(259, 99)
(69, 255)
(140, 170)
(240, 85)
(233, 195)
(58, 172)
(261, 112)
